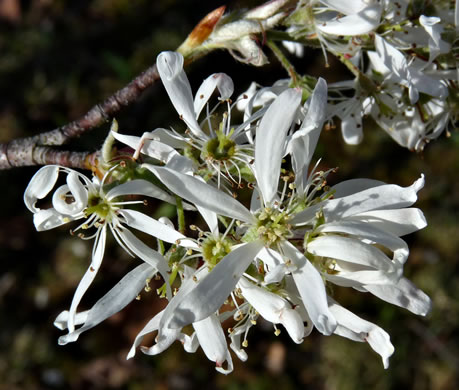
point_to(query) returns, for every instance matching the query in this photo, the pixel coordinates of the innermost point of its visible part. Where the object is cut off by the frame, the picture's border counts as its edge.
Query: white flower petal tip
(170, 69)
(170, 64)
(379, 341)
(355, 328)
(40, 185)
(419, 184)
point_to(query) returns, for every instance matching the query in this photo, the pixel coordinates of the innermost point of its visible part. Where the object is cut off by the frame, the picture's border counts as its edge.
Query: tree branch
(36, 151)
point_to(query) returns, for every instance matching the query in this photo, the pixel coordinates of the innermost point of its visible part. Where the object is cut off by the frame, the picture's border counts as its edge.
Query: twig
(36, 150)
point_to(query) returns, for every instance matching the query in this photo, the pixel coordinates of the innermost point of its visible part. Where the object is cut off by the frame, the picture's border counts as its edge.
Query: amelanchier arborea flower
(277, 235)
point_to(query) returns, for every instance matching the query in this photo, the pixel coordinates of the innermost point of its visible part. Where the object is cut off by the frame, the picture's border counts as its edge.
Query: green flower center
(99, 206)
(219, 148)
(215, 249)
(272, 225)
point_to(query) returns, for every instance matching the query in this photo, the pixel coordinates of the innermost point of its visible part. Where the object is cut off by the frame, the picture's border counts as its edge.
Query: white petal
(270, 257)
(77, 190)
(212, 340)
(164, 339)
(350, 187)
(169, 138)
(151, 226)
(399, 221)
(350, 250)
(210, 293)
(345, 7)
(61, 320)
(363, 330)
(382, 197)
(236, 345)
(140, 187)
(351, 129)
(88, 277)
(372, 233)
(201, 194)
(404, 294)
(270, 141)
(276, 274)
(312, 290)
(363, 22)
(211, 219)
(217, 80)
(40, 185)
(304, 141)
(115, 300)
(273, 308)
(170, 69)
(50, 218)
(150, 256)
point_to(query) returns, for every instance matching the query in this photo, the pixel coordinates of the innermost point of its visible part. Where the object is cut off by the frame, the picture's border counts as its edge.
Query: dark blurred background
(59, 58)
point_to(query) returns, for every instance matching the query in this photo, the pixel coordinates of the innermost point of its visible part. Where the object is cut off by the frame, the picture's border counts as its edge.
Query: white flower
(357, 329)
(225, 151)
(397, 69)
(208, 331)
(101, 210)
(258, 222)
(360, 17)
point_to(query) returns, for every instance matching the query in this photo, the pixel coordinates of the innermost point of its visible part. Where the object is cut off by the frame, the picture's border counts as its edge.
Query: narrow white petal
(61, 320)
(40, 185)
(78, 190)
(150, 256)
(115, 300)
(350, 187)
(366, 231)
(362, 330)
(345, 7)
(225, 86)
(88, 277)
(164, 339)
(350, 250)
(273, 308)
(270, 257)
(209, 294)
(201, 194)
(236, 346)
(270, 141)
(304, 141)
(151, 226)
(50, 218)
(170, 69)
(363, 22)
(351, 129)
(399, 221)
(212, 340)
(211, 219)
(404, 294)
(140, 187)
(387, 196)
(312, 290)
(169, 138)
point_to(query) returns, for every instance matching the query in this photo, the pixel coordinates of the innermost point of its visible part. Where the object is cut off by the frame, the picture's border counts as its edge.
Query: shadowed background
(58, 59)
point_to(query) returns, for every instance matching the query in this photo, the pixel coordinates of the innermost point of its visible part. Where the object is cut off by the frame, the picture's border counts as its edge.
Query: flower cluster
(276, 235)
(403, 58)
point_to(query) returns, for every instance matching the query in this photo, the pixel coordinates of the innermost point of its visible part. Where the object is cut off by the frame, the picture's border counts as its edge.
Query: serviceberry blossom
(216, 151)
(102, 209)
(278, 255)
